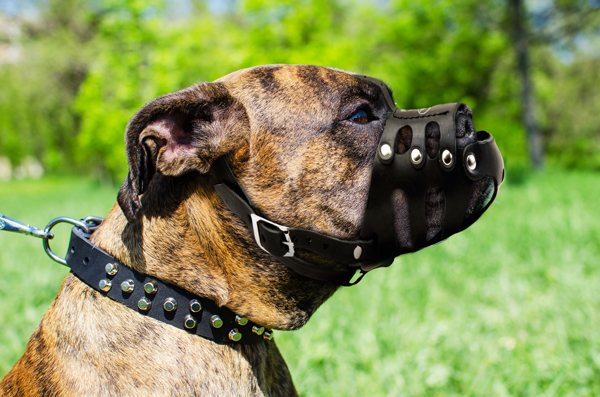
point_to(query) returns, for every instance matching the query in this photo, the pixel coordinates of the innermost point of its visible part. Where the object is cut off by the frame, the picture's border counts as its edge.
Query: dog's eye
(360, 117)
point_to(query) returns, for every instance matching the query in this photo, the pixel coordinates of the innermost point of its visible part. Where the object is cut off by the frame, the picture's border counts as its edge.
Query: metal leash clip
(12, 225)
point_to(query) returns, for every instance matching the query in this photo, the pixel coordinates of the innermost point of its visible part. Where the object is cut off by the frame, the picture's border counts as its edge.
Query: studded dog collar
(154, 298)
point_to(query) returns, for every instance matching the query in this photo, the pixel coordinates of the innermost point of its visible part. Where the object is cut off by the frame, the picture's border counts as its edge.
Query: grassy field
(510, 307)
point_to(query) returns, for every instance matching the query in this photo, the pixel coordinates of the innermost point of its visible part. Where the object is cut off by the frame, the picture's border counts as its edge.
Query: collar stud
(111, 268)
(127, 286)
(189, 322)
(216, 321)
(195, 306)
(235, 335)
(144, 304)
(170, 305)
(151, 287)
(105, 285)
(258, 330)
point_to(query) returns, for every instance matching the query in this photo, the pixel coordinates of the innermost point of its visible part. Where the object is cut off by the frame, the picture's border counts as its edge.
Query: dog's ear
(177, 133)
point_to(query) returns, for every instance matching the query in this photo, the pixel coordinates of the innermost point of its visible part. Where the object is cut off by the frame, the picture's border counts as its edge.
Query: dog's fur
(286, 133)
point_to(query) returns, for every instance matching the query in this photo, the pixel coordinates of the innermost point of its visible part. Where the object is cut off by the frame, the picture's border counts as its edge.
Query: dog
(301, 141)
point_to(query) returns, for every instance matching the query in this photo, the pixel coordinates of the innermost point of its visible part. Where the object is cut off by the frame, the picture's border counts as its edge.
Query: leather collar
(151, 297)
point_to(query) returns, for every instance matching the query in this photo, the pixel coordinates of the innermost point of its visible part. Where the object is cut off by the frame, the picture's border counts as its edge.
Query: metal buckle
(255, 219)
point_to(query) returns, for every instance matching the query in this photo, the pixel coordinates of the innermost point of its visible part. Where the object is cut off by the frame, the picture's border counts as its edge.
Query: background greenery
(85, 66)
(509, 307)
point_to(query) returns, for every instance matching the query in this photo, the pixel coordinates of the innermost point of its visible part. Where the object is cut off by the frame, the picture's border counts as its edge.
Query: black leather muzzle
(406, 170)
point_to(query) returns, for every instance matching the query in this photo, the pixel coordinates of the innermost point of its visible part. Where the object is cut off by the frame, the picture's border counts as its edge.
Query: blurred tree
(521, 44)
(36, 117)
(88, 65)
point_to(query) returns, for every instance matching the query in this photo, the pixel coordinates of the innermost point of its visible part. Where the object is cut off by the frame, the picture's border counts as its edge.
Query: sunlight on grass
(508, 307)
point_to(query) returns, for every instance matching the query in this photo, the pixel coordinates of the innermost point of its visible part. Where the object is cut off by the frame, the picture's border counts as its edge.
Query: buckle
(255, 219)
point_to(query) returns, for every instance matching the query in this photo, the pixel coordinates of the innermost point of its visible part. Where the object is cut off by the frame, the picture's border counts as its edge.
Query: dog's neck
(193, 242)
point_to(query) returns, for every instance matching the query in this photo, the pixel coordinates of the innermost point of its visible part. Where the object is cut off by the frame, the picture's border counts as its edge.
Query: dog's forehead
(283, 72)
(294, 94)
(296, 83)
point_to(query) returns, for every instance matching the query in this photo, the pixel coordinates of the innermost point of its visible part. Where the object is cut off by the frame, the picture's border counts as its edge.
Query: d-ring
(46, 242)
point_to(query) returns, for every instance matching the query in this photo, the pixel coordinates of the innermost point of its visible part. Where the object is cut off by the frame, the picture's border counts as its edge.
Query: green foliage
(507, 307)
(89, 65)
(571, 101)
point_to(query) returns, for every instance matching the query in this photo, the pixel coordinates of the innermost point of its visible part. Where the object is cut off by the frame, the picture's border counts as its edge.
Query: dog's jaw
(203, 248)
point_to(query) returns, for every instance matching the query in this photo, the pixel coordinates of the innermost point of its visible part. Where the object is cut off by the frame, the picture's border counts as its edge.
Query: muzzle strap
(284, 243)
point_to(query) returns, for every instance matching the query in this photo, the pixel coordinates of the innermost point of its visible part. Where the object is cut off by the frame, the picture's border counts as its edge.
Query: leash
(146, 295)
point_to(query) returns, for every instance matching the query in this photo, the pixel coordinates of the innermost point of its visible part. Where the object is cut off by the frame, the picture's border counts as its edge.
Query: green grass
(509, 307)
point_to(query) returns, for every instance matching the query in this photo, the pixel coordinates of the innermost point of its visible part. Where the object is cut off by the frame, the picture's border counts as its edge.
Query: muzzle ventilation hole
(435, 204)
(432, 139)
(401, 219)
(404, 139)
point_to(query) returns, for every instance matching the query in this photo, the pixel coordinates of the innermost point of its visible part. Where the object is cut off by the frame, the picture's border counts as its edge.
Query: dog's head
(302, 142)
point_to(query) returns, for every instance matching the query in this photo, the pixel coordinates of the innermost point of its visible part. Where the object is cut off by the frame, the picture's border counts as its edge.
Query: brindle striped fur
(285, 133)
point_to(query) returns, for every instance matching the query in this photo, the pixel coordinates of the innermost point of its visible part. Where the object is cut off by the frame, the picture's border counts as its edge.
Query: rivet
(111, 268)
(105, 285)
(151, 287)
(235, 335)
(170, 305)
(241, 320)
(416, 156)
(447, 157)
(195, 306)
(216, 321)
(127, 286)
(189, 322)
(144, 304)
(268, 335)
(258, 330)
(471, 162)
(357, 252)
(385, 150)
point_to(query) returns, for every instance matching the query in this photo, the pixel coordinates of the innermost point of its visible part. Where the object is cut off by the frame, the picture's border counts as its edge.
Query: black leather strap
(281, 242)
(88, 263)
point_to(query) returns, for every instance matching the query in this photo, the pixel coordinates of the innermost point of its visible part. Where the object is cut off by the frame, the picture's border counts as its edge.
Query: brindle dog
(291, 138)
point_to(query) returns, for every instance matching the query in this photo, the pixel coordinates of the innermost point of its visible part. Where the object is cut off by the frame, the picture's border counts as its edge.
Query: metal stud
(170, 305)
(241, 320)
(357, 252)
(144, 304)
(195, 306)
(105, 285)
(447, 158)
(416, 156)
(189, 322)
(111, 268)
(216, 321)
(258, 330)
(151, 287)
(471, 162)
(127, 286)
(235, 335)
(268, 335)
(385, 150)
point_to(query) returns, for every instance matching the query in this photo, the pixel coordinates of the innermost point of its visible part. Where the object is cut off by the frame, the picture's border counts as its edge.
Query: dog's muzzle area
(481, 194)
(433, 176)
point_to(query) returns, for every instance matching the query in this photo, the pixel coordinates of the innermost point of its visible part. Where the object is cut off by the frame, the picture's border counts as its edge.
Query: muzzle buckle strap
(284, 230)
(283, 242)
